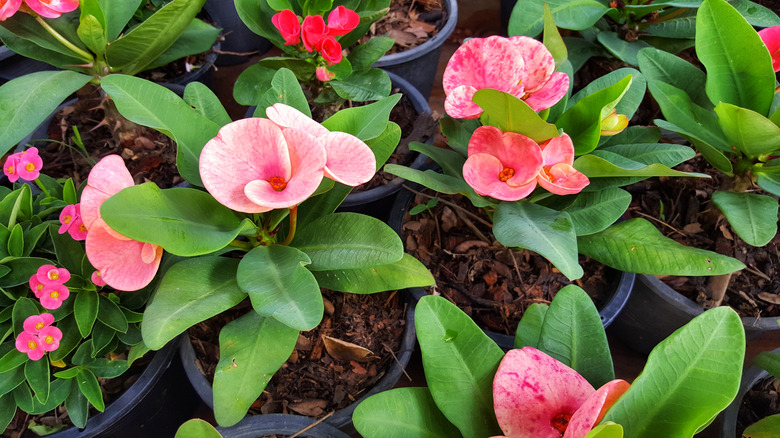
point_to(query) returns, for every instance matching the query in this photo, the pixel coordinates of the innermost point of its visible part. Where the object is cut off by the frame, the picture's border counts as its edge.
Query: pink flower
(342, 20)
(349, 160)
(288, 25)
(52, 8)
(771, 38)
(504, 165)
(25, 165)
(8, 8)
(324, 75)
(537, 396)
(30, 344)
(35, 323)
(97, 279)
(50, 274)
(125, 264)
(518, 65)
(313, 32)
(10, 167)
(53, 295)
(330, 49)
(37, 286)
(557, 174)
(50, 338)
(70, 220)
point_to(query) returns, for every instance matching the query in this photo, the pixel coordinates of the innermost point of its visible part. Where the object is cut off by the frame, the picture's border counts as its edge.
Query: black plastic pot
(237, 37)
(624, 281)
(418, 65)
(257, 426)
(654, 311)
(13, 65)
(155, 405)
(341, 419)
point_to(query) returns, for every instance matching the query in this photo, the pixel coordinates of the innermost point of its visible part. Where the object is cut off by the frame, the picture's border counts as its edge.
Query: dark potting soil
(681, 208)
(410, 23)
(761, 401)
(320, 378)
(488, 281)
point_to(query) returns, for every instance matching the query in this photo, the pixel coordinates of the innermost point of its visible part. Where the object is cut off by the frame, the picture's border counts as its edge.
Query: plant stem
(81, 53)
(293, 225)
(716, 288)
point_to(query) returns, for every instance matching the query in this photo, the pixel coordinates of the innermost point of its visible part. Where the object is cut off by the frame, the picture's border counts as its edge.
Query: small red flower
(342, 21)
(289, 26)
(70, 220)
(8, 8)
(313, 32)
(330, 49)
(52, 8)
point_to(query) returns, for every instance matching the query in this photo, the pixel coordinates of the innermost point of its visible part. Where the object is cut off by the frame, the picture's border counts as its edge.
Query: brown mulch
(761, 401)
(410, 23)
(681, 209)
(317, 379)
(490, 283)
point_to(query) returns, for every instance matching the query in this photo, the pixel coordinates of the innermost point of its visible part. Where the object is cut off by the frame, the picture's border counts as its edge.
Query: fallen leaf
(346, 351)
(310, 408)
(693, 228)
(769, 297)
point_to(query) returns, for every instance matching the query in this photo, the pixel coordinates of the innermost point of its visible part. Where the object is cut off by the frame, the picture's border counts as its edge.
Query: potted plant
(284, 424)
(547, 387)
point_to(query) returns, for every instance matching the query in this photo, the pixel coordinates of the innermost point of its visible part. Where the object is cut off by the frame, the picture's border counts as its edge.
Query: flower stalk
(72, 47)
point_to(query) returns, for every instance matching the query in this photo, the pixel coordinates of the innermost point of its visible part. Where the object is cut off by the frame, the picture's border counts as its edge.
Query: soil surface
(410, 23)
(761, 401)
(319, 378)
(488, 281)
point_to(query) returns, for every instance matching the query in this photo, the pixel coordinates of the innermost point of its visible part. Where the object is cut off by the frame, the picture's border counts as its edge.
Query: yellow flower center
(277, 183)
(67, 219)
(505, 174)
(10, 170)
(54, 294)
(54, 275)
(30, 167)
(48, 339)
(83, 228)
(39, 287)
(32, 345)
(40, 325)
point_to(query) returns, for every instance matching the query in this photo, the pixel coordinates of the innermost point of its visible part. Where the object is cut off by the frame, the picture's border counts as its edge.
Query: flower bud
(613, 123)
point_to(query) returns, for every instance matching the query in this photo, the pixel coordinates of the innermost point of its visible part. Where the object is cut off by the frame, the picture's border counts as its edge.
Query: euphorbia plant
(545, 387)
(63, 329)
(89, 40)
(767, 426)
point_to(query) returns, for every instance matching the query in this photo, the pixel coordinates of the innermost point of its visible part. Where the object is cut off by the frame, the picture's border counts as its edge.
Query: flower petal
(120, 262)
(459, 104)
(349, 160)
(562, 179)
(107, 178)
(481, 173)
(550, 93)
(594, 408)
(539, 62)
(492, 62)
(288, 117)
(513, 150)
(771, 38)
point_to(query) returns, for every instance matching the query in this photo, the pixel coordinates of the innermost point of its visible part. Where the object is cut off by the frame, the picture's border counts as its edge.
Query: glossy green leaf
(85, 310)
(23, 308)
(280, 286)
(552, 38)
(58, 391)
(529, 328)
(667, 154)
(459, 362)
(713, 155)
(689, 377)
(752, 216)
(624, 50)
(24, 35)
(38, 377)
(573, 333)
(92, 34)
(766, 427)
(510, 114)
(364, 85)
(604, 163)
(207, 103)
(198, 37)
(636, 245)
(528, 15)
(592, 212)
(111, 315)
(19, 202)
(192, 291)
(608, 430)
(364, 122)
(184, 221)
(352, 241)
(155, 106)
(629, 102)
(70, 338)
(285, 89)
(364, 55)
(108, 369)
(449, 160)
(405, 273)
(769, 361)
(402, 413)
(77, 406)
(545, 231)
(16, 241)
(658, 65)
(749, 131)
(11, 379)
(197, 428)
(256, 15)
(769, 182)
(89, 386)
(117, 14)
(252, 83)
(739, 67)
(429, 178)
(252, 349)
(69, 252)
(7, 411)
(27, 100)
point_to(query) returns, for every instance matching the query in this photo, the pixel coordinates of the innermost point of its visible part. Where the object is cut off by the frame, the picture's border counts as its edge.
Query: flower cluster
(39, 336)
(48, 285)
(70, 220)
(25, 165)
(44, 8)
(299, 153)
(508, 166)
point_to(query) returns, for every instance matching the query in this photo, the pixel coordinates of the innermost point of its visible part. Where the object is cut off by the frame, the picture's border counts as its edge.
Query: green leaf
(69, 252)
(10, 380)
(624, 50)
(286, 89)
(769, 361)
(207, 103)
(459, 362)
(111, 315)
(530, 326)
(545, 231)
(689, 377)
(348, 241)
(604, 163)
(77, 406)
(636, 245)
(7, 411)
(23, 34)
(405, 273)
(199, 37)
(252, 349)
(37, 374)
(667, 154)
(155, 106)
(769, 182)
(402, 413)
(89, 386)
(766, 427)
(592, 212)
(108, 369)
(12, 360)
(197, 428)
(85, 310)
(192, 291)
(16, 241)
(280, 286)
(252, 83)
(552, 38)
(70, 338)
(364, 55)
(137, 49)
(363, 85)
(92, 34)
(364, 122)
(573, 333)
(739, 67)
(117, 14)
(658, 65)
(429, 178)
(752, 216)
(510, 114)
(256, 15)
(606, 430)
(629, 102)
(752, 133)
(26, 101)
(23, 308)
(184, 221)
(528, 15)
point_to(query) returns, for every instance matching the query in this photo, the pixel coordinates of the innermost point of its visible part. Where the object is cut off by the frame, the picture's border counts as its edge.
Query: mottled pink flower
(537, 396)
(286, 22)
(52, 8)
(30, 344)
(520, 66)
(771, 38)
(557, 174)
(125, 264)
(70, 221)
(503, 165)
(349, 160)
(97, 279)
(330, 49)
(324, 75)
(313, 31)
(8, 8)
(50, 338)
(50, 274)
(342, 21)
(53, 295)
(35, 323)
(254, 166)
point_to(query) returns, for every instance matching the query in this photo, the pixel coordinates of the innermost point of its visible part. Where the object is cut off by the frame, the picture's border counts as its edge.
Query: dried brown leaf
(346, 351)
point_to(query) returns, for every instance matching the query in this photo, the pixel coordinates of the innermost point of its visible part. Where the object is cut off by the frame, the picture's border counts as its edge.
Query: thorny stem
(293, 225)
(665, 17)
(82, 54)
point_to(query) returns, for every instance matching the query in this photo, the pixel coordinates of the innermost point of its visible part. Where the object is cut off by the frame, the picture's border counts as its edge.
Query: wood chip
(769, 297)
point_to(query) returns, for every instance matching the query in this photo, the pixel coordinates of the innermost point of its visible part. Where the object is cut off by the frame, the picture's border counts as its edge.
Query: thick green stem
(293, 225)
(81, 53)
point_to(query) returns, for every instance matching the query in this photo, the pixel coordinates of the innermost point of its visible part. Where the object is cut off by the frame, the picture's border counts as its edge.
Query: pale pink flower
(503, 165)
(342, 20)
(97, 279)
(537, 396)
(771, 38)
(30, 344)
(349, 160)
(8, 8)
(50, 338)
(52, 8)
(125, 264)
(53, 295)
(35, 323)
(520, 66)
(557, 174)
(50, 274)
(70, 221)
(254, 166)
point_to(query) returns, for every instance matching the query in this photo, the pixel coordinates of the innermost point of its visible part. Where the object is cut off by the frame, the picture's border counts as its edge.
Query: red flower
(342, 20)
(313, 32)
(330, 49)
(288, 25)
(8, 8)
